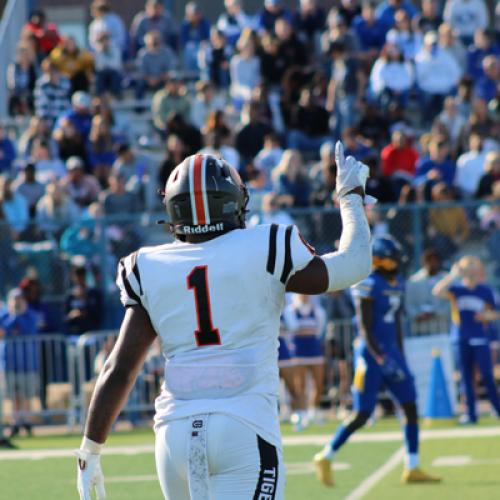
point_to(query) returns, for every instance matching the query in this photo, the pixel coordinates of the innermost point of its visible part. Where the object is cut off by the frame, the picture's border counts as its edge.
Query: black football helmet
(205, 195)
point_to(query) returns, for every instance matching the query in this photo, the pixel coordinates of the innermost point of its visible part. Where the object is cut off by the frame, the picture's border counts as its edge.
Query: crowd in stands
(412, 90)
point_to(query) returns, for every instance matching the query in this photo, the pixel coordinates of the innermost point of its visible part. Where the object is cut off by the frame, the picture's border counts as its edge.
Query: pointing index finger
(339, 154)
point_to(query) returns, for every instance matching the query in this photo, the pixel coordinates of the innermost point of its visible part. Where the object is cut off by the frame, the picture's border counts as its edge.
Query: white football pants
(215, 457)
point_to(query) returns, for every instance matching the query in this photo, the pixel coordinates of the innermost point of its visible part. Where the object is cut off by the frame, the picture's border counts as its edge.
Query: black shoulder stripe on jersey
(271, 256)
(135, 269)
(127, 285)
(287, 265)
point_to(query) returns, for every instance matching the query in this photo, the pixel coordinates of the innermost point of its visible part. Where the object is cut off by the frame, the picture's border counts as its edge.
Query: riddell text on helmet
(207, 228)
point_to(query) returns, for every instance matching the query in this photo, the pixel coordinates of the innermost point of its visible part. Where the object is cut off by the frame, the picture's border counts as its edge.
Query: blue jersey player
(379, 360)
(472, 310)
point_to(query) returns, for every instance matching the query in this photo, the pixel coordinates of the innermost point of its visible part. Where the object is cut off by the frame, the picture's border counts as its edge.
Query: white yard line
(299, 440)
(393, 461)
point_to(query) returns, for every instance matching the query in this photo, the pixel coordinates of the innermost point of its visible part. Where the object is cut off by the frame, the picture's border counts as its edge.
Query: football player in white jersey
(213, 298)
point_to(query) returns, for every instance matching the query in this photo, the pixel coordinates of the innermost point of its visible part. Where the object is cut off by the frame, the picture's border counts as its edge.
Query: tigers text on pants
(214, 456)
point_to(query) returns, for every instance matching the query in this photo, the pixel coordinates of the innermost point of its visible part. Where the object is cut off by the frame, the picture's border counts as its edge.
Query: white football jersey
(215, 306)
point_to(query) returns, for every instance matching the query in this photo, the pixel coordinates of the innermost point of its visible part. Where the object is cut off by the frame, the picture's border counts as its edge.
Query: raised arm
(352, 262)
(442, 287)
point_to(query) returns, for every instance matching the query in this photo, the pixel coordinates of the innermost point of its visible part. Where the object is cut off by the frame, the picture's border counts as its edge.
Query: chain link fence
(454, 229)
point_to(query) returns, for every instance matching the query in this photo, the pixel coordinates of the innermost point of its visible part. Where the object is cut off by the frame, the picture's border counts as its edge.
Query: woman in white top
(244, 68)
(392, 77)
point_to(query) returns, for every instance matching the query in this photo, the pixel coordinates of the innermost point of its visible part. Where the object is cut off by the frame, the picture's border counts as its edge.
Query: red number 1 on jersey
(206, 334)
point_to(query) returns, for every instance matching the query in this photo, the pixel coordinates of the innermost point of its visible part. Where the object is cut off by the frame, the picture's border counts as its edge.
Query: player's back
(216, 307)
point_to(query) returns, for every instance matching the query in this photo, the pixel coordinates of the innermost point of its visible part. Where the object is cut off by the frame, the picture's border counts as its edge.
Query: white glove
(89, 475)
(351, 173)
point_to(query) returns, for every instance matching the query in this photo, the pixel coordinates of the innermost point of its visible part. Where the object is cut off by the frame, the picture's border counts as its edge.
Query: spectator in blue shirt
(387, 9)
(486, 86)
(7, 152)
(484, 45)
(195, 29)
(20, 357)
(370, 30)
(80, 114)
(438, 166)
(270, 13)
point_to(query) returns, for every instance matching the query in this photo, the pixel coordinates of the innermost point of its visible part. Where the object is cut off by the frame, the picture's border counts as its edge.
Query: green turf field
(468, 459)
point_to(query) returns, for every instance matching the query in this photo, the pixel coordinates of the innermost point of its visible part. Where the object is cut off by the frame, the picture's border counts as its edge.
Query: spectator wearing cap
(171, 99)
(437, 74)
(195, 29)
(244, 69)
(234, 20)
(466, 16)
(108, 66)
(27, 186)
(84, 306)
(154, 17)
(80, 187)
(369, 30)
(74, 63)
(14, 207)
(55, 211)
(106, 21)
(487, 85)
(19, 325)
(386, 10)
(80, 114)
(427, 312)
(470, 166)
(45, 34)
(391, 78)
(52, 91)
(270, 13)
(7, 151)
(438, 167)
(155, 62)
(484, 45)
